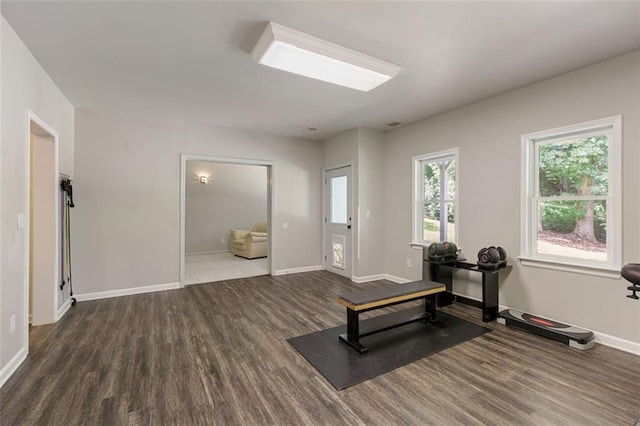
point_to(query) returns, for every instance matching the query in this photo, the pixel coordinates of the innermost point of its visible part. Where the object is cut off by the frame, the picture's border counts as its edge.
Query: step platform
(575, 337)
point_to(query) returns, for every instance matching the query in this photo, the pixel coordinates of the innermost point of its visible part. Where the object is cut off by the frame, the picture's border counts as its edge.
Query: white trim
(357, 233)
(563, 131)
(325, 214)
(34, 118)
(416, 197)
(323, 219)
(617, 343)
(338, 166)
(196, 253)
(298, 270)
(606, 271)
(418, 246)
(612, 126)
(368, 278)
(397, 280)
(126, 292)
(323, 257)
(271, 202)
(63, 309)
(11, 367)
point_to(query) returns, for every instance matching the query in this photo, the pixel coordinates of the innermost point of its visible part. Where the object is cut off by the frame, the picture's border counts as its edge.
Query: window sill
(600, 271)
(418, 246)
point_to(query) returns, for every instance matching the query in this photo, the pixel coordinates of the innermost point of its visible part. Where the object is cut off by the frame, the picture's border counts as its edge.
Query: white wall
(127, 192)
(364, 149)
(234, 197)
(340, 150)
(488, 135)
(371, 178)
(25, 86)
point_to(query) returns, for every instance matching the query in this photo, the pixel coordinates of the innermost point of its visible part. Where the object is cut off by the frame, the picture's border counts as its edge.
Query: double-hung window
(435, 188)
(571, 206)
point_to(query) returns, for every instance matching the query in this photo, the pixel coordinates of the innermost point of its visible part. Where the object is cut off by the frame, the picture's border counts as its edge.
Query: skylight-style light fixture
(293, 51)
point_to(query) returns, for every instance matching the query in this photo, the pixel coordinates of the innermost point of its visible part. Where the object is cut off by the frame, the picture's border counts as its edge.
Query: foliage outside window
(435, 197)
(572, 186)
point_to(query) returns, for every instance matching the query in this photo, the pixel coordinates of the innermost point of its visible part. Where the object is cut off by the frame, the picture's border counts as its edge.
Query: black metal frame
(443, 273)
(352, 336)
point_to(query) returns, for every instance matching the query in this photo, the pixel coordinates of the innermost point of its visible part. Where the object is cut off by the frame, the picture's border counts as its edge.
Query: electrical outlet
(285, 225)
(408, 263)
(13, 323)
(222, 240)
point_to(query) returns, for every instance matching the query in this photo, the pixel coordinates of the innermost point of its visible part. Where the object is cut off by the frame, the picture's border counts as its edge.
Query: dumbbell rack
(442, 272)
(492, 266)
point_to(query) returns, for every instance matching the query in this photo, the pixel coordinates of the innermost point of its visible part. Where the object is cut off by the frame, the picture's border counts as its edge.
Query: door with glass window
(338, 221)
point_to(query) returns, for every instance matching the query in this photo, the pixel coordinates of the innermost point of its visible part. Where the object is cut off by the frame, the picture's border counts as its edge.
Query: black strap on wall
(66, 185)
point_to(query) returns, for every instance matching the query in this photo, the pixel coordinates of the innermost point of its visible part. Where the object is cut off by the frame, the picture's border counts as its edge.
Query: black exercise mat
(344, 367)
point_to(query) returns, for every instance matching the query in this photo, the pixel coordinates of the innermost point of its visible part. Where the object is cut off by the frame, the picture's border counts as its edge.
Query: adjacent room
(319, 213)
(226, 232)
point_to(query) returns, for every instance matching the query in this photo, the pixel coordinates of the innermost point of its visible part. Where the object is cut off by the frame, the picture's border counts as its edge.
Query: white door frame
(325, 214)
(271, 201)
(54, 314)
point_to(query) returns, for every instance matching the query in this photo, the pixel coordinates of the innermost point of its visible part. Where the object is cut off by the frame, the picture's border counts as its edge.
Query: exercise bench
(382, 297)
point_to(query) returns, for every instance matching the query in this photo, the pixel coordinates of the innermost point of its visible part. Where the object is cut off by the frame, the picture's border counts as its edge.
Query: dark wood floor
(217, 354)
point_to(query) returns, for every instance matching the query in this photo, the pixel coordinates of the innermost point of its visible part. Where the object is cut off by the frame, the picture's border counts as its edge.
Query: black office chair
(631, 273)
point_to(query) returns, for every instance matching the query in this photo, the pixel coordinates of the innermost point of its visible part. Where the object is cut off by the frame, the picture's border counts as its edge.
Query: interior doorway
(226, 215)
(337, 222)
(42, 224)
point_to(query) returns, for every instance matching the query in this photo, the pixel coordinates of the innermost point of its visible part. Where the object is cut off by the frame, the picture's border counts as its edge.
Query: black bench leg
(430, 303)
(430, 307)
(352, 337)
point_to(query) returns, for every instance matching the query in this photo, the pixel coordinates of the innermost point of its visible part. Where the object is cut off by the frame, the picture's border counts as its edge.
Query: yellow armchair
(251, 243)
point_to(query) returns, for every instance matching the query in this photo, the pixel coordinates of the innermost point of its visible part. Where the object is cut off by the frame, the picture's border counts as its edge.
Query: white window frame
(612, 127)
(418, 194)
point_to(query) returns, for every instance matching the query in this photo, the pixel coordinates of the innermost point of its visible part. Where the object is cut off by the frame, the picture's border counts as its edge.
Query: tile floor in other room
(205, 268)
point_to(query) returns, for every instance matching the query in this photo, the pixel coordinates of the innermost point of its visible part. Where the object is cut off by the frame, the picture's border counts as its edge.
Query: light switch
(285, 225)
(368, 214)
(20, 220)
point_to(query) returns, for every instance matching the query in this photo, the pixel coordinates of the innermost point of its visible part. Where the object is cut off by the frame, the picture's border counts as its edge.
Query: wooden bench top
(380, 296)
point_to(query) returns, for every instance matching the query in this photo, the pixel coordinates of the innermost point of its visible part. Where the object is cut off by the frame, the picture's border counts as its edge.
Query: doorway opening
(226, 213)
(43, 295)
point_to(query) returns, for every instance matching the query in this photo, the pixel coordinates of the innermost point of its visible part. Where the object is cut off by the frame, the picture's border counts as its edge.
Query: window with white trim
(571, 186)
(435, 197)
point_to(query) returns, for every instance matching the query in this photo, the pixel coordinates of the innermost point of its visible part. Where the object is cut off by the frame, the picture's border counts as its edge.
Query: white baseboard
(63, 309)
(368, 278)
(395, 279)
(617, 343)
(298, 270)
(195, 253)
(12, 366)
(126, 292)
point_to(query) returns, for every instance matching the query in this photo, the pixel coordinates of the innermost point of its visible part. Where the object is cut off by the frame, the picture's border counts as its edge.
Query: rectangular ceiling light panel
(290, 50)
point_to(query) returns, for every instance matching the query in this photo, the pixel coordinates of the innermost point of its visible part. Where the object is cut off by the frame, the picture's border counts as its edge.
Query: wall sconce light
(203, 179)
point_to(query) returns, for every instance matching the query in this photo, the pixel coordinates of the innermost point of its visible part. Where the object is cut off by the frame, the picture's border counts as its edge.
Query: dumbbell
(492, 255)
(450, 248)
(442, 249)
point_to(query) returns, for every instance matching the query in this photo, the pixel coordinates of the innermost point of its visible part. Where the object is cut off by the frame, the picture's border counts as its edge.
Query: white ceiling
(190, 60)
